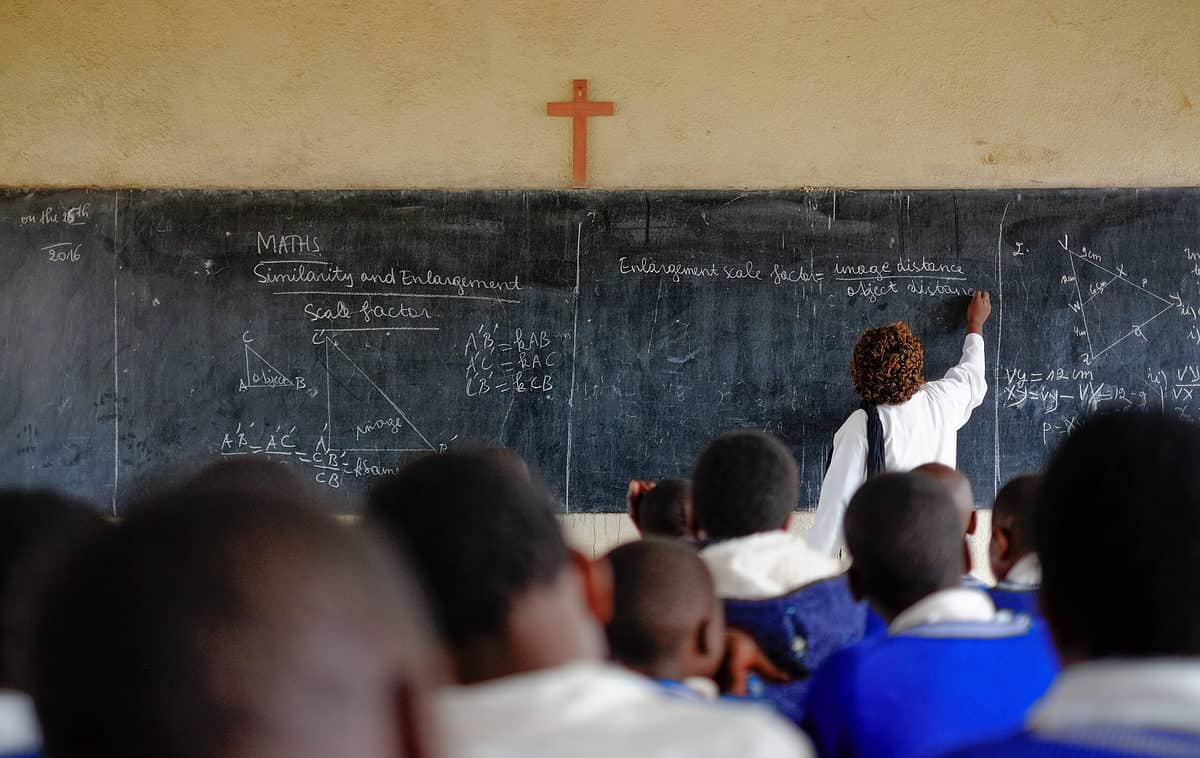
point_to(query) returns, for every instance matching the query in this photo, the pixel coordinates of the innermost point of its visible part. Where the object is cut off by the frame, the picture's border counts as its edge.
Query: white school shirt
(19, 730)
(957, 604)
(763, 565)
(1026, 572)
(598, 710)
(922, 430)
(1148, 693)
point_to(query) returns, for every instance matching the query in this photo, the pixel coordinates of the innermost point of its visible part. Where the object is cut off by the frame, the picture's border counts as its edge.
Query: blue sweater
(1095, 742)
(797, 632)
(1016, 598)
(928, 690)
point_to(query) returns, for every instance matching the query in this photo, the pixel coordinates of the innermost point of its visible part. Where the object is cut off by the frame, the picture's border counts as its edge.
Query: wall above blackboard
(605, 336)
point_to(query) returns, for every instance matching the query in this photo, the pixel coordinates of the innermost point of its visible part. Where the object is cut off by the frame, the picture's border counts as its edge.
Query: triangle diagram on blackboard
(361, 416)
(261, 373)
(1113, 306)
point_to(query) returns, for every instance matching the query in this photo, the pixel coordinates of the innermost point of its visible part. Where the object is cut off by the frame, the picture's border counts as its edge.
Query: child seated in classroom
(39, 530)
(959, 488)
(1128, 630)
(951, 670)
(1011, 551)
(668, 624)
(662, 509)
(794, 601)
(522, 620)
(223, 621)
(744, 488)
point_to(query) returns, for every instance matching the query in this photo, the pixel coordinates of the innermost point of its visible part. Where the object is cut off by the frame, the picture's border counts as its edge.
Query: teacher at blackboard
(904, 421)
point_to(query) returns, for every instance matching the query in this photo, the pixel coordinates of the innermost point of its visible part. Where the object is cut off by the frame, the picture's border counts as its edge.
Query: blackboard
(58, 403)
(604, 335)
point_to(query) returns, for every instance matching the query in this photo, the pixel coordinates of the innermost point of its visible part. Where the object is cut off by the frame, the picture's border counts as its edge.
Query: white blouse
(922, 430)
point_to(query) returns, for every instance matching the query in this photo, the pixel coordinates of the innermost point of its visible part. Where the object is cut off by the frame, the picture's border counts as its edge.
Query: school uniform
(764, 565)
(795, 603)
(1018, 592)
(1110, 709)
(697, 689)
(952, 671)
(922, 430)
(597, 710)
(20, 735)
(877, 626)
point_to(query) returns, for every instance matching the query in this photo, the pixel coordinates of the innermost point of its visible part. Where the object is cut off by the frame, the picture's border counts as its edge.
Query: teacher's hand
(978, 312)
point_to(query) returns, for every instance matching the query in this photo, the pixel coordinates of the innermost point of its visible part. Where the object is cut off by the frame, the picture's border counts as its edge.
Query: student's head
(1117, 529)
(744, 482)
(508, 596)
(662, 509)
(225, 626)
(667, 621)
(506, 456)
(250, 472)
(888, 364)
(1012, 523)
(39, 531)
(905, 536)
(959, 488)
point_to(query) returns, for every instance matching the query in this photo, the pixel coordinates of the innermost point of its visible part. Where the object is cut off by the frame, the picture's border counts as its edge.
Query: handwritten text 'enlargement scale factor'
(922, 276)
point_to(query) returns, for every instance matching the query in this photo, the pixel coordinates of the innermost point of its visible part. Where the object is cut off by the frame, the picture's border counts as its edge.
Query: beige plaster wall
(452, 93)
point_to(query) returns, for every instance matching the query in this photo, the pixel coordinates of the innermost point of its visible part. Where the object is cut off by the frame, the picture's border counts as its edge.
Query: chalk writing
(676, 271)
(302, 272)
(63, 252)
(365, 312)
(457, 282)
(522, 363)
(69, 215)
(799, 275)
(262, 374)
(287, 244)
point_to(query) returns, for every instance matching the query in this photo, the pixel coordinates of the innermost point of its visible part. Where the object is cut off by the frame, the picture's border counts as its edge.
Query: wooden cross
(579, 109)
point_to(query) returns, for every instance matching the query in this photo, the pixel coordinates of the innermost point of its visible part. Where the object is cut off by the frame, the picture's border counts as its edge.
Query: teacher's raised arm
(903, 421)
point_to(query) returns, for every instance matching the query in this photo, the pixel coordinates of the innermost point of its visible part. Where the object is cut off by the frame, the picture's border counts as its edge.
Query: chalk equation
(518, 361)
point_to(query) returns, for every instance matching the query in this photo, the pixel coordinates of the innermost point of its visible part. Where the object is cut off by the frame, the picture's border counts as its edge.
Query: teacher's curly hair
(888, 364)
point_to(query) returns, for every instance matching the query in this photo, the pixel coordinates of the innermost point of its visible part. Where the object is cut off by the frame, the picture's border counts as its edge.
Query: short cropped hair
(479, 532)
(1015, 505)
(904, 533)
(196, 628)
(744, 482)
(660, 587)
(888, 364)
(1117, 529)
(663, 509)
(254, 472)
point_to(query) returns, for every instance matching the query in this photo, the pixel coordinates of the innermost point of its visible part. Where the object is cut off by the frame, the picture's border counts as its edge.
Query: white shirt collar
(19, 731)
(1159, 693)
(767, 564)
(590, 687)
(597, 710)
(1026, 572)
(953, 604)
